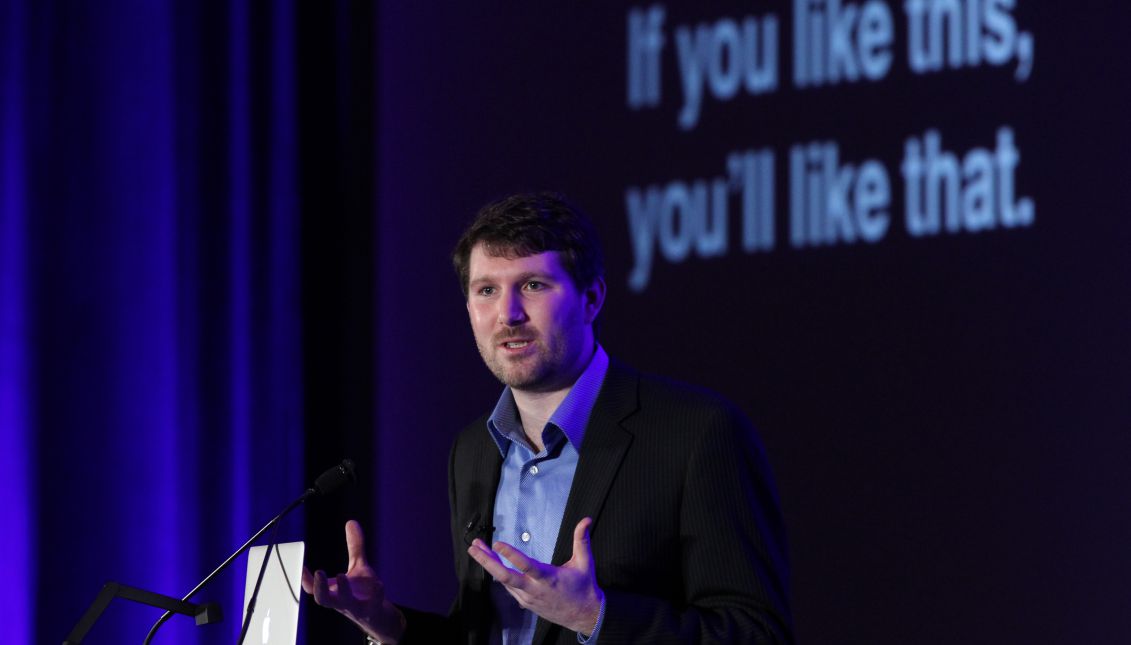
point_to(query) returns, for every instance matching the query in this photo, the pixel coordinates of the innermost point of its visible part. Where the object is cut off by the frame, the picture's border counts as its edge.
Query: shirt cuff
(591, 639)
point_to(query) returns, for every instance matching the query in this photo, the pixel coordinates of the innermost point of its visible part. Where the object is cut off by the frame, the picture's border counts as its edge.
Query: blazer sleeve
(733, 566)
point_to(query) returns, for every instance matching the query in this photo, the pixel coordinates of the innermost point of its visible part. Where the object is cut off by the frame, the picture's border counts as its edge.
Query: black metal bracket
(203, 613)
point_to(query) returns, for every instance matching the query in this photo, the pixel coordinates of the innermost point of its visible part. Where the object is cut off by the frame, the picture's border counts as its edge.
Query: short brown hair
(528, 224)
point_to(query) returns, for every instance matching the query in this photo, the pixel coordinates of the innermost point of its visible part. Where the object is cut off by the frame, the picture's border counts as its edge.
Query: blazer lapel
(479, 466)
(477, 508)
(602, 451)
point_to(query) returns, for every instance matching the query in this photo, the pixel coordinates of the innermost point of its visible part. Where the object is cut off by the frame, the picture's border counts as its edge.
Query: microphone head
(335, 478)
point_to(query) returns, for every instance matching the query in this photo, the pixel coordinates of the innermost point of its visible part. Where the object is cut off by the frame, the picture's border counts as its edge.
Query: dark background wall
(226, 231)
(946, 414)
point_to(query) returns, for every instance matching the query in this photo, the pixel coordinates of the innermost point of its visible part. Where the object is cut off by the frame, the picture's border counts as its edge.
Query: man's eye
(534, 285)
(487, 291)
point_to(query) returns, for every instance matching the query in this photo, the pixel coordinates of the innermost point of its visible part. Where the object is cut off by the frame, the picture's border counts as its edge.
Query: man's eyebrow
(522, 277)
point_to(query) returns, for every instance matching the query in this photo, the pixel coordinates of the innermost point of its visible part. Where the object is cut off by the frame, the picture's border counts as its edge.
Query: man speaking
(619, 507)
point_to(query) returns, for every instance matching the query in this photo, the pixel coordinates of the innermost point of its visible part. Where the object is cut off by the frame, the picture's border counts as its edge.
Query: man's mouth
(515, 344)
(515, 341)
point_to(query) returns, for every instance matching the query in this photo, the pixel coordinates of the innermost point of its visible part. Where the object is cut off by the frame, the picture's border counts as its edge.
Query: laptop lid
(275, 621)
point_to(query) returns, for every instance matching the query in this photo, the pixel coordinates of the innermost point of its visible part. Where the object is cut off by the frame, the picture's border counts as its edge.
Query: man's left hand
(567, 595)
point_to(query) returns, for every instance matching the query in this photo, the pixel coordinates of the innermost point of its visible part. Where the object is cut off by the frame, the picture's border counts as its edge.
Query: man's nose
(511, 311)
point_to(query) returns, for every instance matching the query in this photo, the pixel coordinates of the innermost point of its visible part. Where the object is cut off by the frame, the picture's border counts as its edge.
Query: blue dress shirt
(533, 489)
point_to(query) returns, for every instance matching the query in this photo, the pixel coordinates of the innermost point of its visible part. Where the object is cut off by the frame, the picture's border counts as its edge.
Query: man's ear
(594, 296)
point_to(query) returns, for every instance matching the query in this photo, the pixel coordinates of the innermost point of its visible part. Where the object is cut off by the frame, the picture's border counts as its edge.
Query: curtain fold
(17, 519)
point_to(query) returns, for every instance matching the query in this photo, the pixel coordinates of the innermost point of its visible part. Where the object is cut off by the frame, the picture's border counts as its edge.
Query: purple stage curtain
(150, 330)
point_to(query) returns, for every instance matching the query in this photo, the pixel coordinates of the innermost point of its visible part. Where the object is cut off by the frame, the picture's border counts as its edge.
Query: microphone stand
(326, 483)
(224, 565)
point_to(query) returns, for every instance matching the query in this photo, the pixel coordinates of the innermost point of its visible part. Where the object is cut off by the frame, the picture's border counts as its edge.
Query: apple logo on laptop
(267, 627)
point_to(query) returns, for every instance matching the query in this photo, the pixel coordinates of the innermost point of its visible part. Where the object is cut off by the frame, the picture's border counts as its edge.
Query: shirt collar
(571, 416)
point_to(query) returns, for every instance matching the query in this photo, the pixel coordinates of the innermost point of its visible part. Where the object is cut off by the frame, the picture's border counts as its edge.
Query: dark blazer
(687, 538)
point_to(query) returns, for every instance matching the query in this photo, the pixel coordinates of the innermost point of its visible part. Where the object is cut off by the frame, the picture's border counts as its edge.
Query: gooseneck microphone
(326, 483)
(332, 480)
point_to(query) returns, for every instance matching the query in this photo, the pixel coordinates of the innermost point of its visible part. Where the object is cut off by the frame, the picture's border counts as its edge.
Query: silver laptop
(275, 621)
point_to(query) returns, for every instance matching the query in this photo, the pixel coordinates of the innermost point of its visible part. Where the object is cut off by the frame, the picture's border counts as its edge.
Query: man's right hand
(358, 594)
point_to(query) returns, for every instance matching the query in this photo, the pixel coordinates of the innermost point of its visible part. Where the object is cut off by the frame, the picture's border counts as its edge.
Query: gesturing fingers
(582, 551)
(355, 545)
(567, 595)
(321, 589)
(307, 580)
(529, 567)
(345, 591)
(526, 576)
(493, 564)
(337, 592)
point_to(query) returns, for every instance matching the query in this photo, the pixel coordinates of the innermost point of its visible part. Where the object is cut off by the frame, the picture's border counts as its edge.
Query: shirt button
(534, 470)
(525, 536)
